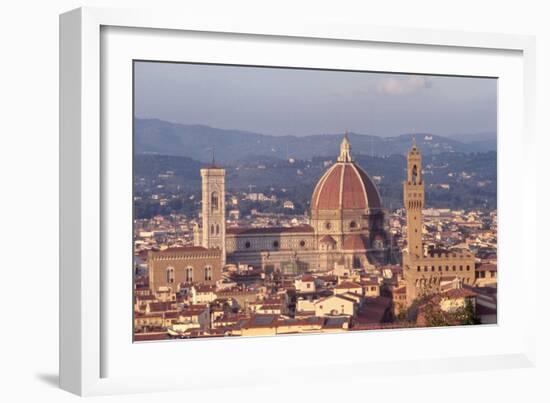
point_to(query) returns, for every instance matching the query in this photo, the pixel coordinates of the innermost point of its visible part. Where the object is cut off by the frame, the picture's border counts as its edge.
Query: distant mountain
(153, 136)
(151, 164)
(483, 141)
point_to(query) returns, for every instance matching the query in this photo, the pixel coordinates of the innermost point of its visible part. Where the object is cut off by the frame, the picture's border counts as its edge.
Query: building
(346, 224)
(335, 305)
(171, 268)
(486, 275)
(423, 270)
(213, 209)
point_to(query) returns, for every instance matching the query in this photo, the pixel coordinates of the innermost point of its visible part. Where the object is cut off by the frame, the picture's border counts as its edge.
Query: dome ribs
(345, 186)
(329, 193)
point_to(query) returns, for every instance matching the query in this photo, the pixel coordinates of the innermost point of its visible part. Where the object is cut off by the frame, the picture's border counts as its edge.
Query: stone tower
(213, 208)
(413, 200)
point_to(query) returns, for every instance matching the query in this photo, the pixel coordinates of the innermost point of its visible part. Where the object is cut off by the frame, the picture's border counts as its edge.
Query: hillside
(152, 136)
(453, 179)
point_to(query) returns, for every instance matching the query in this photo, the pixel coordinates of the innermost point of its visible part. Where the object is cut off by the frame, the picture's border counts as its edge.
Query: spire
(213, 155)
(345, 150)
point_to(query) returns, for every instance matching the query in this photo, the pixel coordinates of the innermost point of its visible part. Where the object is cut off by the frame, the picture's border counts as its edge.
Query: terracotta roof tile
(355, 242)
(347, 186)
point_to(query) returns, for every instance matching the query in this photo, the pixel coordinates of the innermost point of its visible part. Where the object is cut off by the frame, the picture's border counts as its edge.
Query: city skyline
(345, 264)
(319, 234)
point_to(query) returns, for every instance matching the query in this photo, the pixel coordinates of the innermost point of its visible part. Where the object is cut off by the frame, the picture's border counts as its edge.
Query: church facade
(347, 224)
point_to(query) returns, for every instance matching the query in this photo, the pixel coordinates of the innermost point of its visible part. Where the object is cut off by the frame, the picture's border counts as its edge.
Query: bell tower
(213, 208)
(413, 200)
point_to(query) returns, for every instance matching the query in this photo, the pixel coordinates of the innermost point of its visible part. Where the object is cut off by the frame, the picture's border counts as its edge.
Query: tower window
(212, 229)
(353, 224)
(275, 244)
(214, 201)
(247, 244)
(217, 229)
(414, 175)
(302, 243)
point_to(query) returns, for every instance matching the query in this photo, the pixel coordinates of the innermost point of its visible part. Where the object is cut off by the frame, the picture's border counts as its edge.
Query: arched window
(170, 275)
(214, 201)
(212, 229)
(208, 273)
(217, 229)
(353, 225)
(189, 275)
(414, 175)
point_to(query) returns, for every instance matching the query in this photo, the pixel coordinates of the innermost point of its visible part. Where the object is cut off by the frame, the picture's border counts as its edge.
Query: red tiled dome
(345, 186)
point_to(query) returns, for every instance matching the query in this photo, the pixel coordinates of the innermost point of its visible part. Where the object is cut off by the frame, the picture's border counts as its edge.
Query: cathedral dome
(345, 186)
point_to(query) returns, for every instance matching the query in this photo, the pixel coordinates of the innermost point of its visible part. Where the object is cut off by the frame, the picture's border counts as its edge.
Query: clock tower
(413, 200)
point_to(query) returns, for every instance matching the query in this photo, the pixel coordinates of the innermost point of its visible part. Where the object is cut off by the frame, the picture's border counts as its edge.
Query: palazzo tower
(413, 200)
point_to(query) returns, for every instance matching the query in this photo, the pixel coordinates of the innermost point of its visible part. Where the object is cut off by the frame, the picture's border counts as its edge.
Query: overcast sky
(300, 102)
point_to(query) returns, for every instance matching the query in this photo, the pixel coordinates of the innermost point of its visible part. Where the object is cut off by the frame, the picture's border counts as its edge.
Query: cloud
(402, 85)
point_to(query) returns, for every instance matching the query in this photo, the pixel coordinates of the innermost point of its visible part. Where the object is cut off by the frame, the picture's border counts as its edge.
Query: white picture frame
(85, 152)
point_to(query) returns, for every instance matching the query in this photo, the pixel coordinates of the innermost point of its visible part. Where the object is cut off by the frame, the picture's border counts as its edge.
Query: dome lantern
(345, 150)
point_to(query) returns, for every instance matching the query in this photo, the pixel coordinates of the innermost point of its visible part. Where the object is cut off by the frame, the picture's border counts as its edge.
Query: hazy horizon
(486, 134)
(301, 102)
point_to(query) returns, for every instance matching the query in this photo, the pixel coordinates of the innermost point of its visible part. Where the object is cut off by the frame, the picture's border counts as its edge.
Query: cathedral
(346, 224)
(346, 229)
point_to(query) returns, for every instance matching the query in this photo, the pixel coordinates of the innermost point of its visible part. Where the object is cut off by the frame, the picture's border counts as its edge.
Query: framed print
(263, 194)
